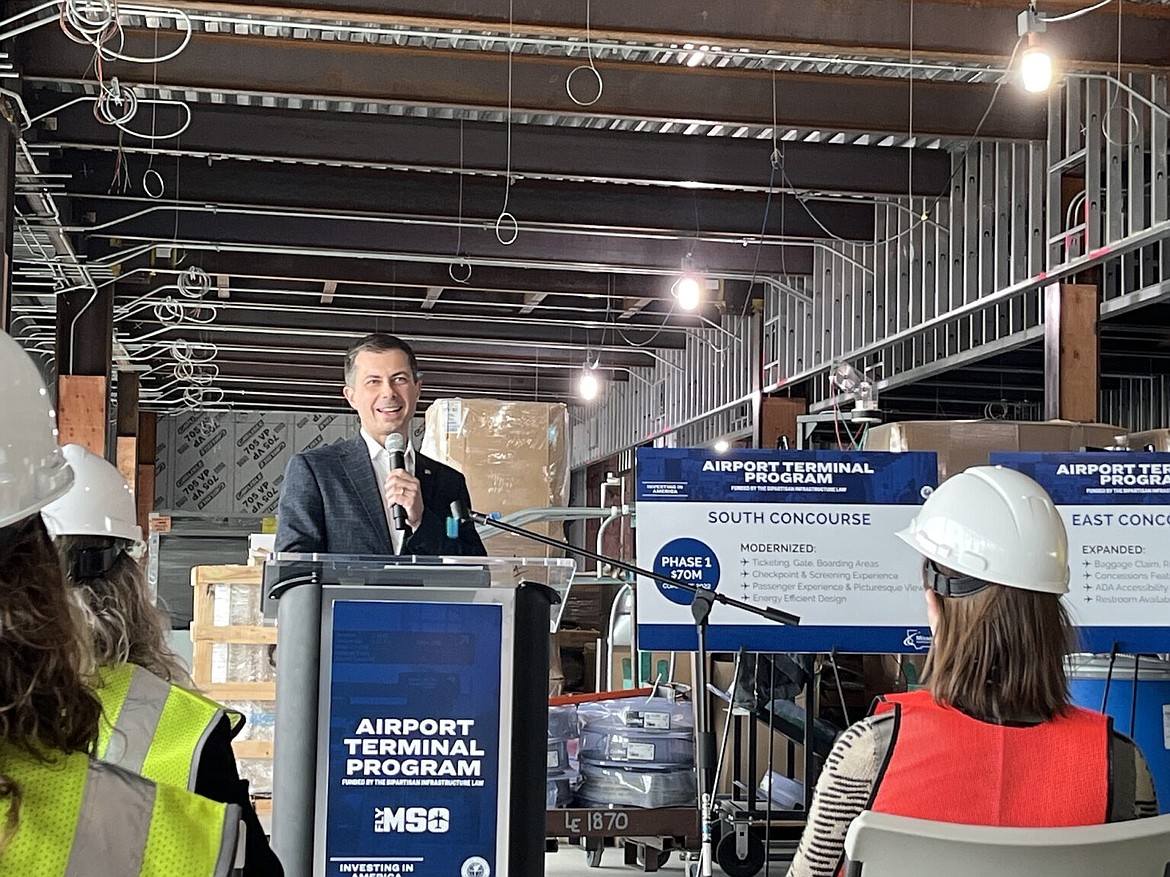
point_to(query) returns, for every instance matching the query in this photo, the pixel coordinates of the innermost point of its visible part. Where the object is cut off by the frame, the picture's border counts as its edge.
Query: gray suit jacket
(331, 503)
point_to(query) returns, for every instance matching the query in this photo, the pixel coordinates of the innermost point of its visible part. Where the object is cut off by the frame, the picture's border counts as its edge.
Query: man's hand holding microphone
(402, 490)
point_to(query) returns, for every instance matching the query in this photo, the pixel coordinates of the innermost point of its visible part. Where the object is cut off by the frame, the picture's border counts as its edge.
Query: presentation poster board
(413, 774)
(1116, 509)
(811, 533)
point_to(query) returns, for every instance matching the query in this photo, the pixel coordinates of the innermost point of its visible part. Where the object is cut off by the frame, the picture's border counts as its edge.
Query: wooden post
(778, 418)
(84, 346)
(126, 450)
(1072, 371)
(81, 411)
(147, 456)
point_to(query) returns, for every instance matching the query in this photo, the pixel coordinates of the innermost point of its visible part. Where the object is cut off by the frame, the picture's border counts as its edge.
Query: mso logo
(413, 820)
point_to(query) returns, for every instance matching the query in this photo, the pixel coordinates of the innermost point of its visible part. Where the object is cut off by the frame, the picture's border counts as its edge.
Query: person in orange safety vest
(993, 739)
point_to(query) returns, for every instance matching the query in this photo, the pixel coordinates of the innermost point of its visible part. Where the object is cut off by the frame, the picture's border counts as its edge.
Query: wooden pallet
(205, 634)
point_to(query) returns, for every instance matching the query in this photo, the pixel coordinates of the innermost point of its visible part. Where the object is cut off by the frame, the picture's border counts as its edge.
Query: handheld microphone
(396, 448)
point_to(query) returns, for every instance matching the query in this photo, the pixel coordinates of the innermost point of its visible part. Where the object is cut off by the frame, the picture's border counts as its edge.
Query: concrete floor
(569, 861)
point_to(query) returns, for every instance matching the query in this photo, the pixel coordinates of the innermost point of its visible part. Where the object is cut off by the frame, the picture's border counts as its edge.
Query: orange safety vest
(946, 766)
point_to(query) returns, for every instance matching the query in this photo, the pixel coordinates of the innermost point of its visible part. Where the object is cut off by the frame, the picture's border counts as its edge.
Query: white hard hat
(994, 525)
(33, 471)
(100, 503)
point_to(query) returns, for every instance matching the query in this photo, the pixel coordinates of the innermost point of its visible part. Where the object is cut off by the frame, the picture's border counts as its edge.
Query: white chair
(880, 845)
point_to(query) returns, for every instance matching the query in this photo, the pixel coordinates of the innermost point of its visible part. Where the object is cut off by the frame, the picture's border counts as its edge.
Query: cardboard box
(1158, 439)
(963, 443)
(514, 456)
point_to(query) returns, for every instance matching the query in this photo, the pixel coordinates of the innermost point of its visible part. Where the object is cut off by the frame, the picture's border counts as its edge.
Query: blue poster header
(763, 476)
(1096, 478)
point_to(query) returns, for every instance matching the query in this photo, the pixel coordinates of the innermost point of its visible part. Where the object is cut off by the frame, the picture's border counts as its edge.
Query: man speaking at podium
(374, 494)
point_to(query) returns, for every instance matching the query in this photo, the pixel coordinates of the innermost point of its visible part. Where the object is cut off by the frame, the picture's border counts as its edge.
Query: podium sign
(414, 729)
(409, 738)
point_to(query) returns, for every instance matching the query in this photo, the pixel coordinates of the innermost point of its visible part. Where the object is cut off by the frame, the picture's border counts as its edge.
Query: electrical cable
(924, 217)
(588, 66)
(837, 427)
(1133, 123)
(92, 21)
(152, 136)
(1069, 16)
(776, 159)
(459, 230)
(115, 104)
(505, 217)
(189, 351)
(194, 283)
(658, 331)
(95, 22)
(179, 15)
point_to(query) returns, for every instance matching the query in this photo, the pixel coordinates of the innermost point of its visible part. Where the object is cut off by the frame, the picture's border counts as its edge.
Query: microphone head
(395, 442)
(459, 511)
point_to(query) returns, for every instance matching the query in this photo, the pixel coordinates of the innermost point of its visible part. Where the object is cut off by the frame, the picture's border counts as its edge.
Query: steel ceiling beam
(354, 323)
(448, 304)
(263, 373)
(576, 154)
(356, 273)
(972, 30)
(207, 228)
(327, 351)
(434, 370)
(293, 398)
(425, 77)
(138, 302)
(476, 201)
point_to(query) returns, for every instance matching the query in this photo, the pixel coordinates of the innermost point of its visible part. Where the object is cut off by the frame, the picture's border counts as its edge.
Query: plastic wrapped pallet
(562, 777)
(638, 748)
(653, 713)
(637, 752)
(232, 661)
(253, 745)
(514, 456)
(236, 604)
(603, 786)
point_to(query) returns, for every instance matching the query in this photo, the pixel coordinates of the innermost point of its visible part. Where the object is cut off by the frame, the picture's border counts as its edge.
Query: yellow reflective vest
(153, 728)
(82, 818)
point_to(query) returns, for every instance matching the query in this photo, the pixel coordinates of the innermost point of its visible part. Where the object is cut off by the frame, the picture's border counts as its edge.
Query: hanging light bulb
(688, 292)
(589, 385)
(722, 446)
(1035, 62)
(1035, 67)
(688, 289)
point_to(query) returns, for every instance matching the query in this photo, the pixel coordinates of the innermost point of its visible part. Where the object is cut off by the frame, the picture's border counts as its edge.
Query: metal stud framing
(884, 306)
(703, 392)
(956, 276)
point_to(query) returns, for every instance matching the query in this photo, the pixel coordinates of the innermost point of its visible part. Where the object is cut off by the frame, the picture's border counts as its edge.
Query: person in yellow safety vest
(153, 723)
(62, 813)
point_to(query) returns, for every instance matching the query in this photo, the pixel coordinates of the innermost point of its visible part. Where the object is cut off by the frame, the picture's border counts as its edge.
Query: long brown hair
(998, 654)
(45, 705)
(126, 626)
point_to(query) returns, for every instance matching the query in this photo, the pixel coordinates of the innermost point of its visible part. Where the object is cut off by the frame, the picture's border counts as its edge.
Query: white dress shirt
(380, 457)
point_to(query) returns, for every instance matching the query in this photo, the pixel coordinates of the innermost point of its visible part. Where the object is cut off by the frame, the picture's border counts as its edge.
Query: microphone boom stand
(701, 605)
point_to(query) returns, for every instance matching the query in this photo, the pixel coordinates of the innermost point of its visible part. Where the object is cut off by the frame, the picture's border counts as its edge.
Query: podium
(412, 713)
